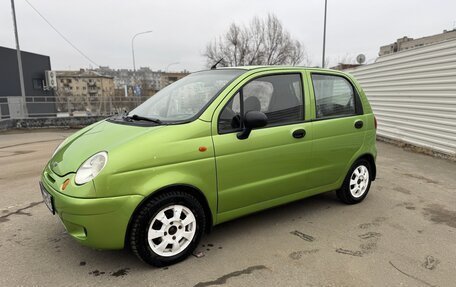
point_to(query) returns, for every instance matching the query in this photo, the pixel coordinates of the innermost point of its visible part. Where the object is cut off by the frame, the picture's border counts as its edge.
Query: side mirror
(252, 120)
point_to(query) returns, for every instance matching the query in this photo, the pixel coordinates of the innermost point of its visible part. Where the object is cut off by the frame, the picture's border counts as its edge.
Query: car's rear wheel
(357, 183)
(167, 228)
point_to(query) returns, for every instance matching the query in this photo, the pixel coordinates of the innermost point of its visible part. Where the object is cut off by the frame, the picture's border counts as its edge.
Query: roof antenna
(215, 65)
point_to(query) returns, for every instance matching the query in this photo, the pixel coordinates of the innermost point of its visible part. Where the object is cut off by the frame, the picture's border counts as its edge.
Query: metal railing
(68, 106)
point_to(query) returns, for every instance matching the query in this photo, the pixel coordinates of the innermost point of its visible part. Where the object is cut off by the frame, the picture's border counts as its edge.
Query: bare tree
(263, 42)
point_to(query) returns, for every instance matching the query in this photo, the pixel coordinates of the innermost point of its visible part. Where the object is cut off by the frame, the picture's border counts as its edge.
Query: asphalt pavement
(403, 234)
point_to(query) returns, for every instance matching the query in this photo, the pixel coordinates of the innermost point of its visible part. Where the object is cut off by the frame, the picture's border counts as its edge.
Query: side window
(257, 96)
(334, 96)
(230, 118)
(280, 97)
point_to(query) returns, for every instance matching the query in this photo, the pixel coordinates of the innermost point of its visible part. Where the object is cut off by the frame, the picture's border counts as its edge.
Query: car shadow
(101, 263)
(286, 212)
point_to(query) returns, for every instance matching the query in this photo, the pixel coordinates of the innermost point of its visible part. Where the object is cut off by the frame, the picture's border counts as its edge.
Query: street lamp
(324, 36)
(167, 67)
(133, 54)
(133, 47)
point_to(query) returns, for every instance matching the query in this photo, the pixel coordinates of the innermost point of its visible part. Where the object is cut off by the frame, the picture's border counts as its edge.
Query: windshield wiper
(141, 118)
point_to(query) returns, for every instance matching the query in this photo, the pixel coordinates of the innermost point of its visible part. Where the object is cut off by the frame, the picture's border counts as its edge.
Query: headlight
(91, 168)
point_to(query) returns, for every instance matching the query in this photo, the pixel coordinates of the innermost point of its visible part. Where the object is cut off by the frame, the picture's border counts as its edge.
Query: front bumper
(96, 222)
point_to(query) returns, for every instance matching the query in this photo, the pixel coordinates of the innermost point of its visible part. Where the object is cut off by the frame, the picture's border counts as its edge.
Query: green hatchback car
(211, 147)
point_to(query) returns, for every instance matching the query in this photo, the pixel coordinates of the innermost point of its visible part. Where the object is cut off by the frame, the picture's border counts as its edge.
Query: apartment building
(84, 83)
(406, 43)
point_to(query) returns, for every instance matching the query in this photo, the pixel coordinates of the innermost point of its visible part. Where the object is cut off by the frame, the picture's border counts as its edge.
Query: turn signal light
(65, 184)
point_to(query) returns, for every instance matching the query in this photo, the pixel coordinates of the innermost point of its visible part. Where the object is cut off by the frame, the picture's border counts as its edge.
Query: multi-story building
(406, 43)
(84, 92)
(169, 78)
(84, 83)
(143, 81)
(38, 100)
(144, 77)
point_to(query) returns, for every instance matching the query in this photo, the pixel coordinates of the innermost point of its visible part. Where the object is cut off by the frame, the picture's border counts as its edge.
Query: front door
(272, 162)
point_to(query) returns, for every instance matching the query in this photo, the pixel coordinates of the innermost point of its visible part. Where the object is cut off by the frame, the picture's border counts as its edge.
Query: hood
(104, 136)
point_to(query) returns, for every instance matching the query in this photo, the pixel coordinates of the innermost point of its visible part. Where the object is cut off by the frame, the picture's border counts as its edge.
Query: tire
(357, 183)
(167, 228)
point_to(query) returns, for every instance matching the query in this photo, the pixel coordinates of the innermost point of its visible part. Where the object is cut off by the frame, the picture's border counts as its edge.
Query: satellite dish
(360, 58)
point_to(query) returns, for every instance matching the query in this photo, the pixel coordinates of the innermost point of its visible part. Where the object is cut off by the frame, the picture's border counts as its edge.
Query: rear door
(339, 127)
(272, 162)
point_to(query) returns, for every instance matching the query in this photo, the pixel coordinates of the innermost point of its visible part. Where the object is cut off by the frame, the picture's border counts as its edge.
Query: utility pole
(324, 36)
(19, 64)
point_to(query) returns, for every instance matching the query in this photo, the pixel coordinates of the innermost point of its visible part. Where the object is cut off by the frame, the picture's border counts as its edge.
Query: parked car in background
(211, 147)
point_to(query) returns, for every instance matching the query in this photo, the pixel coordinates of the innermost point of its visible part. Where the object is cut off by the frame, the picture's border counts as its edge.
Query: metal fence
(67, 106)
(413, 94)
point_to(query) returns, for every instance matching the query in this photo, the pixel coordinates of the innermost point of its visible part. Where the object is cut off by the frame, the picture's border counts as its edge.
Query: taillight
(375, 122)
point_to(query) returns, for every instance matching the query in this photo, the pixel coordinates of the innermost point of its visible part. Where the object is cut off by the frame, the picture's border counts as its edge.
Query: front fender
(199, 174)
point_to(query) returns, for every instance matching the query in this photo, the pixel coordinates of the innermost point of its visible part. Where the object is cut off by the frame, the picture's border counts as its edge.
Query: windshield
(184, 99)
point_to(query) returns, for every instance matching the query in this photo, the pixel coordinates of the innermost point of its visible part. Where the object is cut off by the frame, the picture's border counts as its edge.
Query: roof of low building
(82, 73)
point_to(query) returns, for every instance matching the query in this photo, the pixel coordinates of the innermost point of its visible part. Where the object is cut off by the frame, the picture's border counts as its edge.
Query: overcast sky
(181, 29)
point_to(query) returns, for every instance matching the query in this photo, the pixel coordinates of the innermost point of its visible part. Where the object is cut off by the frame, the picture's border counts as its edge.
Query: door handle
(359, 124)
(298, 134)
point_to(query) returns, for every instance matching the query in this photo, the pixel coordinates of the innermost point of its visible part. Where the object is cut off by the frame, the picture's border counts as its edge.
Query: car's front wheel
(357, 183)
(168, 228)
